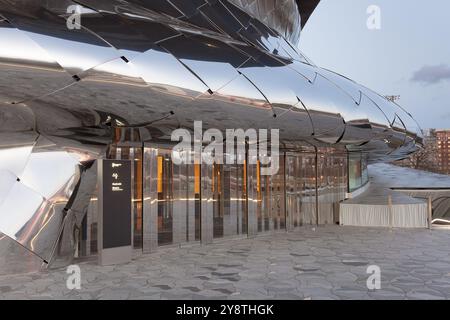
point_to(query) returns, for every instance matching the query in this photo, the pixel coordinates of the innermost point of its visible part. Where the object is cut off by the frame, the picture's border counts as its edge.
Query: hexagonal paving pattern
(328, 262)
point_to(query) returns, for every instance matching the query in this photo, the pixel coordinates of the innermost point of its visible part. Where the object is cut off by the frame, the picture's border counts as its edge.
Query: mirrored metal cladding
(78, 76)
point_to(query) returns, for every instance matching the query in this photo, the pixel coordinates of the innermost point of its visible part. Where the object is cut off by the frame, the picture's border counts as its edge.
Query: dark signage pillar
(114, 204)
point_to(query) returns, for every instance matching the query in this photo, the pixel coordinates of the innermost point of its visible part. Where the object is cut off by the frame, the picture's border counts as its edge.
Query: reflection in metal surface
(135, 71)
(17, 259)
(50, 171)
(38, 197)
(67, 241)
(199, 61)
(283, 16)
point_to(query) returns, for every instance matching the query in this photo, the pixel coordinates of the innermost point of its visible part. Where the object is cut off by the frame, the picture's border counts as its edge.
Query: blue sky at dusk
(408, 56)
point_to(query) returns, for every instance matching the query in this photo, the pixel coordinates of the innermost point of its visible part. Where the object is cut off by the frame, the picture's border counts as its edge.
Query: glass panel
(308, 213)
(193, 203)
(137, 192)
(354, 171)
(218, 201)
(293, 190)
(229, 205)
(266, 203)
(172, 200)
(150, 212)
(357, 171)
(331, 185)
(197, 207)
(242, 197)
(229, 217)
(207, 203)
(278, 198)
(165, 199)
(259, 197)
(365, 171)
(180, 203)
(235, 199)
(325, 190)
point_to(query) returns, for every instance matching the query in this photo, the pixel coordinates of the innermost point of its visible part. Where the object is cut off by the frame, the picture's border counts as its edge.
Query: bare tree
(425, 159)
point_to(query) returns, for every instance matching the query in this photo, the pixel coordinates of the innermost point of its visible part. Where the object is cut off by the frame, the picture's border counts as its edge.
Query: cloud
(432, 74)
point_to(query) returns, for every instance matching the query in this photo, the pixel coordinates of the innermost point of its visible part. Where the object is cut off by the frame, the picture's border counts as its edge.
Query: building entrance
(174, 204)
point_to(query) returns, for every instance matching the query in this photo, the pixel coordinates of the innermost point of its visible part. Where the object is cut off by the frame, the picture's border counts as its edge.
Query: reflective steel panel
(17, 259)
(214, 62)
(75, 50)
(136, 70)
(158, 67)
(26, 70)
(14, 159)
(7, 180)
(51, 172)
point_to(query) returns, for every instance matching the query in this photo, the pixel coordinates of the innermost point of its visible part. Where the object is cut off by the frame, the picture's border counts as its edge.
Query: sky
(408, 55)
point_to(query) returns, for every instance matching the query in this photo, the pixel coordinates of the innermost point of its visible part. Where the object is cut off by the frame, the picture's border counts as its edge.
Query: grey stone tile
(387, 293)
(328, 263)
(425, 294)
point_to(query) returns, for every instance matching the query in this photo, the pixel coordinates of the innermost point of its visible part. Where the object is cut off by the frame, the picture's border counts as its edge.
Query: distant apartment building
(426, 159)
(443, 150)
(429, 137)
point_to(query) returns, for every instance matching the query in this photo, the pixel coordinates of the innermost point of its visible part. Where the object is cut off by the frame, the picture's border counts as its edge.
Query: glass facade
(358, 174)
(267, 200)
(175, 204)
(172, 200)
(332, 186)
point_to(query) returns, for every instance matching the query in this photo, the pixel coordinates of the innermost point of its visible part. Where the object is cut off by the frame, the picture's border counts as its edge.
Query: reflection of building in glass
(118, 87)
(434, 156)
(357, 171)
(443, 150)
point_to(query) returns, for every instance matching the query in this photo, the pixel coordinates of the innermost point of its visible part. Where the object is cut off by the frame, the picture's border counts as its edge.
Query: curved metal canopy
(142, 68)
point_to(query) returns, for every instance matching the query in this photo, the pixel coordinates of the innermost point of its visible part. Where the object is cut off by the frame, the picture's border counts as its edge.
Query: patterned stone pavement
(324, 263)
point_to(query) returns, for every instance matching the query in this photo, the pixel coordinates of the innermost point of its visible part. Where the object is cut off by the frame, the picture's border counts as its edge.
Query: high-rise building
(443, 150)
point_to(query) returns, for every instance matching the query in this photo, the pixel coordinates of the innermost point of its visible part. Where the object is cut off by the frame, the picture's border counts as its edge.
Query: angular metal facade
(132, 71)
